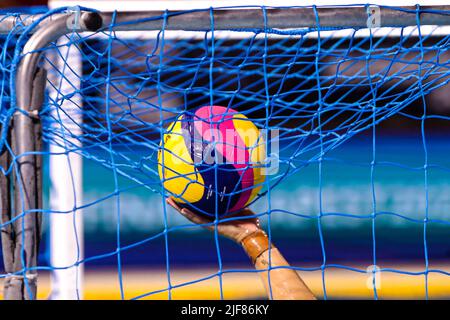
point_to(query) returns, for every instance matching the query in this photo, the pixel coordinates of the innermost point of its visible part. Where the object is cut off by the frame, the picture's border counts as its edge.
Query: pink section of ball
(217, 122)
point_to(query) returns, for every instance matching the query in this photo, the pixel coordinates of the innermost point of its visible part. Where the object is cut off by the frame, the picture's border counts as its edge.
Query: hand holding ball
(210, 160)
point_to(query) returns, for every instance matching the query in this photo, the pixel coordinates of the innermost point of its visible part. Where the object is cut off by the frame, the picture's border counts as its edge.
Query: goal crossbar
(252, 18)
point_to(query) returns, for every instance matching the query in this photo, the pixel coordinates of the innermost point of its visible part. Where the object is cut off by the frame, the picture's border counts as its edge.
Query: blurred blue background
(398, 185)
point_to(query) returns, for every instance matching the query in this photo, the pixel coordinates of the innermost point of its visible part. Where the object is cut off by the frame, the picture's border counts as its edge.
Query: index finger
(172, 203)
(193, 217)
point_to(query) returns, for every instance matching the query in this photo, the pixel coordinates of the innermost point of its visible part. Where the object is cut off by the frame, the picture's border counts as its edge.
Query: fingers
(246, 215)
(172, 203)
(245, 212)
(195, 218)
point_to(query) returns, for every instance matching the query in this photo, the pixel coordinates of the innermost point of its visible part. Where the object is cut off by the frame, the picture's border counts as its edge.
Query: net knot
(30, 277)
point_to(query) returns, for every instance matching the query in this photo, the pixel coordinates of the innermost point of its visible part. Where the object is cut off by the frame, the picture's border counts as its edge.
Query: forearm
(283, 283)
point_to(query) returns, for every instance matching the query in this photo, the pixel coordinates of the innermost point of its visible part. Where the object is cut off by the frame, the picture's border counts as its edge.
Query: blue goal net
(353, 103)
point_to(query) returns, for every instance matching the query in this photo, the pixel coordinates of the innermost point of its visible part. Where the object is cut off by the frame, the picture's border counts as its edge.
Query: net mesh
(325, 93)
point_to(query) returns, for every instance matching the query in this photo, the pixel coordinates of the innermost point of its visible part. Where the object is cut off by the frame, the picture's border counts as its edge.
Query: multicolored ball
(210, 160)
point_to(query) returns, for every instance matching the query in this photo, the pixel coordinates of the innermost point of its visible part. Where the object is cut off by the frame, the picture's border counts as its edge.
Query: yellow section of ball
(180, 177)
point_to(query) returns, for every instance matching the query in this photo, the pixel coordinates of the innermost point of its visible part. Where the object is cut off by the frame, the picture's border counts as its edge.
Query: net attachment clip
(373, 16)
(73, 22)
